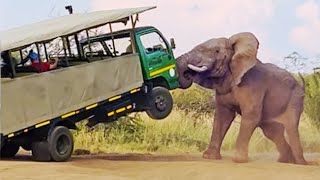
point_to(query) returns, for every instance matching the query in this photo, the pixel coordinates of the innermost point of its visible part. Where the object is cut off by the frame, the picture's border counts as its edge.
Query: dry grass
(178, 133)
(189, 126)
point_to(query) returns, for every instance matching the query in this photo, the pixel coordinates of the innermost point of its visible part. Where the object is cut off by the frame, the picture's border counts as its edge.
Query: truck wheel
(60, 143)
(9, 150)
(40, 151)
(160, 103)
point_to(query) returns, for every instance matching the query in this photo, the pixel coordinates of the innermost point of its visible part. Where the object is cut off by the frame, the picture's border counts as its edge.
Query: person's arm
(25, 60)
(54, 64)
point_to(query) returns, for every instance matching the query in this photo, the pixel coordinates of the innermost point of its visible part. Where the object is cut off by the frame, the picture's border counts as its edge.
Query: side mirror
(173, 44)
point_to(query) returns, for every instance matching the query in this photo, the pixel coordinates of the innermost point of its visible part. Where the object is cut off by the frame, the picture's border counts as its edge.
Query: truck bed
(29, 100)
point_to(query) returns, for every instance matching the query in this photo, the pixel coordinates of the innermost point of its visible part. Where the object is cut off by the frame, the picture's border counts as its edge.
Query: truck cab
(155, 52)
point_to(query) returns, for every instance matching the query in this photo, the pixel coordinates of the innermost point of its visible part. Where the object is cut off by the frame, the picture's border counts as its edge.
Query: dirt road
(138, 166)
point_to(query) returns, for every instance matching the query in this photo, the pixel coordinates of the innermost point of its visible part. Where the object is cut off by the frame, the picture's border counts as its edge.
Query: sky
(282, 26)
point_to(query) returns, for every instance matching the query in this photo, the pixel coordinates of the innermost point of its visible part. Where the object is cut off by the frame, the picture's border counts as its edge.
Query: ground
(146, 166)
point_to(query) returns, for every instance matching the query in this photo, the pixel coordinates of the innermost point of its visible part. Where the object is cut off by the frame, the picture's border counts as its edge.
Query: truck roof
(120, 33)
(62, 26)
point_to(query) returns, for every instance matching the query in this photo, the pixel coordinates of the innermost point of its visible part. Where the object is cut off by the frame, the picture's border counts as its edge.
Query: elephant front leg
(222, 121)
(249, 122)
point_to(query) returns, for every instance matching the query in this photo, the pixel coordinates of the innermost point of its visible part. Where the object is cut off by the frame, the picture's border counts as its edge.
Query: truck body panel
(36, 98)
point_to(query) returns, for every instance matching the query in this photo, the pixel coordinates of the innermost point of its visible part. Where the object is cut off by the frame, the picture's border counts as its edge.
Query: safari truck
(98, 78)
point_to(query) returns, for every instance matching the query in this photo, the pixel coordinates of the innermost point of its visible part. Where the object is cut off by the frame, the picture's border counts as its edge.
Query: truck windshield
(153, 42)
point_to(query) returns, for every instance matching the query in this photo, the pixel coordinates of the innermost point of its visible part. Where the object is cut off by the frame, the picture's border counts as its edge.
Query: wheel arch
(66, 123)
(160, 81)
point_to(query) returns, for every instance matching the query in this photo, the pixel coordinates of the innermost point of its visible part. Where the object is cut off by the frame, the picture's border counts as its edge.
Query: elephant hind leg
(292, 130)
(275, 132)
(290, 120)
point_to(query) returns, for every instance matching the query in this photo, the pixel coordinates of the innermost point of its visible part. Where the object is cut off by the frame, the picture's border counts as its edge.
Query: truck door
(156, 54)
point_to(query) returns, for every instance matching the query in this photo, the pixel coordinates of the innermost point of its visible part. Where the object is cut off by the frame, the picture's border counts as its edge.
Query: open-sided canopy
(61, 26)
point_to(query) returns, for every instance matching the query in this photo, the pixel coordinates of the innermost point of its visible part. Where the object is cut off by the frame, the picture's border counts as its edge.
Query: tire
(160, 103)
(40, 151)
(60, 143)
(9, 150)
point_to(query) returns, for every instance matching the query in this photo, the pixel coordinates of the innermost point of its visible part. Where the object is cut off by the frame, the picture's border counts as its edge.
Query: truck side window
(153, 42)
(96, 48)
(122, 46)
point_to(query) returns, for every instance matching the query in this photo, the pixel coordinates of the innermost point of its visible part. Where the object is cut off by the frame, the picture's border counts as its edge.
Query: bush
(176, 134)
(188, 128)
(139, 133)
(312, 98)
(196, 99)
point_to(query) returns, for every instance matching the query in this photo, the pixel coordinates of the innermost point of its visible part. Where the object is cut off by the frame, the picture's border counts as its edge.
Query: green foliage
(177, 133)
(195, 99)
(188, 128)
(312, 98)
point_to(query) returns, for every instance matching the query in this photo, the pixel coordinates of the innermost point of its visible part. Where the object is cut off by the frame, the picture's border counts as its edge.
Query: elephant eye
(217, 50)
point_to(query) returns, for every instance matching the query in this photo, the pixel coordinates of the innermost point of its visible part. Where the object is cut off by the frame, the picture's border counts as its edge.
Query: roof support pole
(68, 45)
(132, 37)
(80, 55)
(70, 9)
(87, 32)
(40, 62)
(64, 46)
(114, 47)
(45, 51)
(21, 55)
(134, 21)
(11, 64)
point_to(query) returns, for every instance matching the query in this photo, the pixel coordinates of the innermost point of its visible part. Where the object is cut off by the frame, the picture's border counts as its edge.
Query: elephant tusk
(198, 69)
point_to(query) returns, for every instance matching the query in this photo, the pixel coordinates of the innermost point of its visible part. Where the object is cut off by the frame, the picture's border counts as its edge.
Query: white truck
(101, 79)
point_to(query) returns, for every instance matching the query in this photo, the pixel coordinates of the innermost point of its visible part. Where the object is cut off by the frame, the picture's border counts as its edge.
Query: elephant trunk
(184, 75)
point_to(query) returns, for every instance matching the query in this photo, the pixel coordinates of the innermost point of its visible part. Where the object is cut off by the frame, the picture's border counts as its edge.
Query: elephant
(263, 94)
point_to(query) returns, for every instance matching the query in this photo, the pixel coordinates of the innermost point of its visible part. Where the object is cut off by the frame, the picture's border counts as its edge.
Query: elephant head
(218, 59)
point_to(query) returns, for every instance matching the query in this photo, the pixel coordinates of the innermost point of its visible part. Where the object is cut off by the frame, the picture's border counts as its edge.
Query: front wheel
(160, 103)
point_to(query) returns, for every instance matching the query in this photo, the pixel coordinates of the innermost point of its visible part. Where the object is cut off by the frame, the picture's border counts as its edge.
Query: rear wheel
(160, 103)
(60, 144)
(9, 150)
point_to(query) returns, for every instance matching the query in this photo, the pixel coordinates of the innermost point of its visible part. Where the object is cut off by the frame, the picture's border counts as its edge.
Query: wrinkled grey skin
(265, 95)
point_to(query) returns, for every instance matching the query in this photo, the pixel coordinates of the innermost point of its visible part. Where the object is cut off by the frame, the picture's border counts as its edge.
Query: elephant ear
(245, 46)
